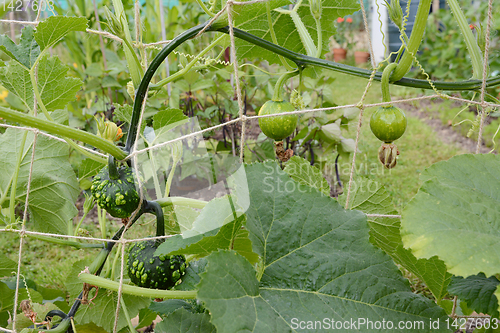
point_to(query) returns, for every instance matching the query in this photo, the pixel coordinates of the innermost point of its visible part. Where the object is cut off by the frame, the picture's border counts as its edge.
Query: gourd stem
(415, 40)
(61, 328)
(303, 60)
(136, 291)
(386, 96)
(98, 263)
(278, 88)
(53, 313)
(155, 208)
(148, 75)
(63, 131)
(181, 201)
(113, 171)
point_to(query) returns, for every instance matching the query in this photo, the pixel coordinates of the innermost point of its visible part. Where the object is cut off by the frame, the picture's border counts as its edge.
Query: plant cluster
(273, 236)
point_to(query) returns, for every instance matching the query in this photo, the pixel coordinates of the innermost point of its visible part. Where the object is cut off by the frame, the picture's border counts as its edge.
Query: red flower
(340, 20)
(472, 26)
(349, 20)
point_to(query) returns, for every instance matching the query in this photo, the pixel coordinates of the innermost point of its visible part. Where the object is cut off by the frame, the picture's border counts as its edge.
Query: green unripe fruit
(149, 271)
(119, 197)
(388, 123)
(279, 127)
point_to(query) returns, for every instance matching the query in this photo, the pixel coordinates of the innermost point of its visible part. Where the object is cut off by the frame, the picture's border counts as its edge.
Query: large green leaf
(458, 200)
(371, 198)
(317, 264)
(497, 294)
(304, 173)
(478, 291)
(26, 52)
(89, 328)
(16, 79)
(40, 310)
(103, 309)
(254, 19)
(7, 300)
(55, 87)
(166, 119)
(123, 112)
(53, 29)
(167, 307)
(54, 188)
(192, 276)
(7, 266)
(183, 321)
(229, 236)
(89, 168)
(214, 228)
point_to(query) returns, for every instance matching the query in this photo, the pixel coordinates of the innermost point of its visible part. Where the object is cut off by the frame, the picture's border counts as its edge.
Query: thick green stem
(180, 201)
(475, 53)
(278, 88)
(63, 131)
(155, 208)
(98, 263)
(61, 328)
(386, 95)
(415, 40)
(113, 171)
(303, 60)
(148, 75)
(136, 291)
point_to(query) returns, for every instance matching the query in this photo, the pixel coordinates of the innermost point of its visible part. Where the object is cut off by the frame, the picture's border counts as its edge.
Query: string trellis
(242, 119)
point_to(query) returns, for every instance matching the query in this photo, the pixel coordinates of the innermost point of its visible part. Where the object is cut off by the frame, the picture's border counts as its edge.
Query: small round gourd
(388, 123)
(156, 272)
(117, 195)
(279, 127)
